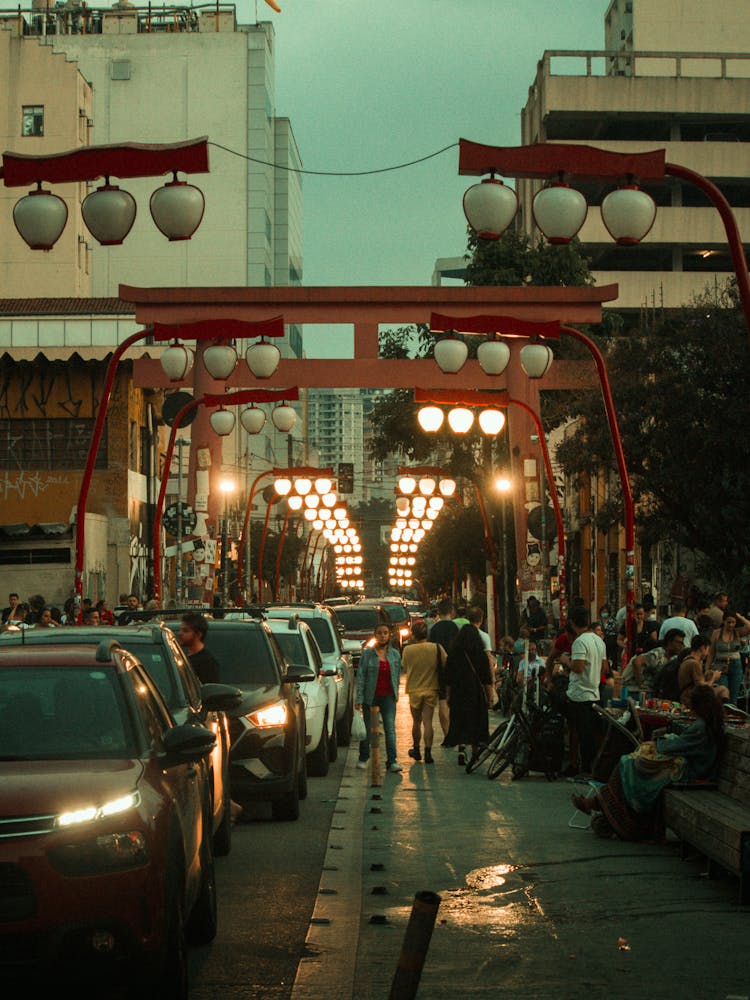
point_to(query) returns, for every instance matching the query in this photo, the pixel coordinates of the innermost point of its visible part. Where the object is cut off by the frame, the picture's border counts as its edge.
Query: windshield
(359, 619)
(321, 629)
(63, 713)
(243, 654)
(396, 612)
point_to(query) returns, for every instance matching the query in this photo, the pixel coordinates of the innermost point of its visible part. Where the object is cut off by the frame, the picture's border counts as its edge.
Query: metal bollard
(414, 949)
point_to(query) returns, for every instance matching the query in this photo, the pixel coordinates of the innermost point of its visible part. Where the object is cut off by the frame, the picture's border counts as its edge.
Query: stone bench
(716, 821)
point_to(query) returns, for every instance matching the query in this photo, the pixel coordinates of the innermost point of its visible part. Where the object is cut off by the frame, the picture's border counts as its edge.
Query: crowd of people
(698, 658)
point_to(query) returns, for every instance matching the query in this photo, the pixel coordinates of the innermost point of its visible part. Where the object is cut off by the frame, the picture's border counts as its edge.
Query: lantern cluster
(461, 419)
(418, 505)
(493, 355)
(109, 213)
(220, 360)
(628, 213)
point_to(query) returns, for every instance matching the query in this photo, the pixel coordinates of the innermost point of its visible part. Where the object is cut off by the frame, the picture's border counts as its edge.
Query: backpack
(666, 684)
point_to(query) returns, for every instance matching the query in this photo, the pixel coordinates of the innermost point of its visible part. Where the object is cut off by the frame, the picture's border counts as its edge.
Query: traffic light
(346, 477)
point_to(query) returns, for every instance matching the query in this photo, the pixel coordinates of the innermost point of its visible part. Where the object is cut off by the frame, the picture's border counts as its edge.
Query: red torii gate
(366, 309)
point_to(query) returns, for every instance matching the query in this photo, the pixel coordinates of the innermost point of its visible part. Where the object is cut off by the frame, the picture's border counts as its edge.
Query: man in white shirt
(586, 659)
(680, 621)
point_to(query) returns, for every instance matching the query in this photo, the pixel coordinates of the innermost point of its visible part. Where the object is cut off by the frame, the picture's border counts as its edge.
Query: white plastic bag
(358, 727)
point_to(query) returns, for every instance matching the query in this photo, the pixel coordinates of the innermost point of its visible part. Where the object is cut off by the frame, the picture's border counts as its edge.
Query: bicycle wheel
(484, 752)
(504, 756)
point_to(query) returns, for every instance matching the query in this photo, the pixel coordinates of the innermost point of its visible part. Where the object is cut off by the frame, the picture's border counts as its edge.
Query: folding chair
(581, 820)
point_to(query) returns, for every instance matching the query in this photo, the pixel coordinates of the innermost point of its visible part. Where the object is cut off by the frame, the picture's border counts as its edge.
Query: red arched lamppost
(108, 212)
(535, 363)
(242, 396)
(500, 400)
(628, 213)
(180, 358)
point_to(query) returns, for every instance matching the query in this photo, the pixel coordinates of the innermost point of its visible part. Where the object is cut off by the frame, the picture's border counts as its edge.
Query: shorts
(422, 699)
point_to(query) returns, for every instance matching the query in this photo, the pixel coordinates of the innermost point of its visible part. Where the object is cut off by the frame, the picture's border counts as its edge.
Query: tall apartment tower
(674, 74)
(165, 75)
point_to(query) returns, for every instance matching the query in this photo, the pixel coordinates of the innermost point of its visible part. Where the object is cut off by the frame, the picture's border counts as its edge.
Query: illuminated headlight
(91, 813)
(370, 643)
(267, 718)
(403, 632)
(110, 852)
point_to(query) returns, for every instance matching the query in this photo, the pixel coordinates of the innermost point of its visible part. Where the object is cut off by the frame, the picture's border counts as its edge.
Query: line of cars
(117, 773)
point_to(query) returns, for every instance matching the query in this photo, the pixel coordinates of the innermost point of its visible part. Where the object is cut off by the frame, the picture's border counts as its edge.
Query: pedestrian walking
(424, 663)
(444, 631)
(470, 692)
(378, 679)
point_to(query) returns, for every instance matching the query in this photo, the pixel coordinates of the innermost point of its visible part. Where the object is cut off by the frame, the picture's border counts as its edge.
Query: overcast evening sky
(368, 84)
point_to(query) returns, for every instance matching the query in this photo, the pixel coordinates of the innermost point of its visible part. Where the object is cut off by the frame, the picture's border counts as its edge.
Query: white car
(337, 661)
(300, 648)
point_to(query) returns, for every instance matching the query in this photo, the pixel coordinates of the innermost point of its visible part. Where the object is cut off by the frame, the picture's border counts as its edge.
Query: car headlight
(91, 813)
(109, 852)
(272, 715)
(403, 632)
(370, 643)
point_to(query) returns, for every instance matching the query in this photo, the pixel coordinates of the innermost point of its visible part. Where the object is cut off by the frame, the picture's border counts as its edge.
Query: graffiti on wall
(21, 485)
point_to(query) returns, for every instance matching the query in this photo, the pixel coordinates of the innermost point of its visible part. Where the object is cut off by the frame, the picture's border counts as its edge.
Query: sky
(369, 84)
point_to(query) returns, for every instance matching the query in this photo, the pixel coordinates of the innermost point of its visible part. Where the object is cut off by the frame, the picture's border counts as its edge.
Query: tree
(370, 517)
(680, 389)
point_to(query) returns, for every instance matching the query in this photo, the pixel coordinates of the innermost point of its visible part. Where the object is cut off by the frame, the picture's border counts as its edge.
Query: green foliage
(680, 387)
(369, 518)
(513, 260)
(453, 548)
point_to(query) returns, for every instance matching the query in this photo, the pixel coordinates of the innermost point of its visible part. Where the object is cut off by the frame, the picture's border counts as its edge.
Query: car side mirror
(298, 675)
(220, 697)
(188, 744)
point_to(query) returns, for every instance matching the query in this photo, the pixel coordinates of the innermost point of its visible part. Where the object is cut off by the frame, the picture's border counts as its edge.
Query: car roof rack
(104, 650)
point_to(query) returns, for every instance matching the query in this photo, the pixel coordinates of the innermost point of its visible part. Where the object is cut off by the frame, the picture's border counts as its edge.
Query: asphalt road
(267, 889)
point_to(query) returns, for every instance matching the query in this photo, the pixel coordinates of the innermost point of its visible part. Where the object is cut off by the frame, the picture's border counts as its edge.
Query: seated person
(642, 668)
(693, 672)
(629, 803)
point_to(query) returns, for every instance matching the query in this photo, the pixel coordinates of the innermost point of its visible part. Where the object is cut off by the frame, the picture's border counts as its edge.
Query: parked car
(398, 617)
(267, 731)
(300, 649)
(188, 701)
(333, 602)
(337, 662)
(106, 859)
(359, 621)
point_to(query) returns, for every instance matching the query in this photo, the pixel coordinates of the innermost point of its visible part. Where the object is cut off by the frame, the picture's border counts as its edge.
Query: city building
(75, 76)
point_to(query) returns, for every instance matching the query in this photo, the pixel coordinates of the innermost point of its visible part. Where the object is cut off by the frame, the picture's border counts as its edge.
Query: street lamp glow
(430, 418)
(491, 421)
(460, 419)
(503, 484)
(227, 486)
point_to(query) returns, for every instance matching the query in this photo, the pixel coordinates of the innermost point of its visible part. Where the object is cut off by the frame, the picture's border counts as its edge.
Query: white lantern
(295, 503)
(402, 505)
(310, 514)
(451, 354)
(222, 421)
(283, 417)
(283, 487)
(430, 418)
(109, 214)
(628, 214)
(489, 208)
(253, 419)
(493, 356)
(536, 360)
(263, 359)
(436, 503)
(426, 486)
(447, 487)
(177, 209)
(312, 500)
(491, 421)
(323, 485)
(302, 486)
(176, 361)
(40, 218)
(559, 212)
(460, 419)
(220, 360)
(407, 484)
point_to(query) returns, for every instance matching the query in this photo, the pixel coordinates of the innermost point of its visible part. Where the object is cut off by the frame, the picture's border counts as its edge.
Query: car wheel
(166, 976)
(223, 834)
(333, 742)
(345, 727)
(202, 923)
(317, 761)
(287, 808)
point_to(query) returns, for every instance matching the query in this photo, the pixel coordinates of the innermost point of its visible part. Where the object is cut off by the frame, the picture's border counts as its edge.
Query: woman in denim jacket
(378, 679)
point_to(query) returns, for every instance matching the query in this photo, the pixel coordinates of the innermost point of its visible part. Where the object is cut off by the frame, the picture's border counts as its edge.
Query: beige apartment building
(673, 75)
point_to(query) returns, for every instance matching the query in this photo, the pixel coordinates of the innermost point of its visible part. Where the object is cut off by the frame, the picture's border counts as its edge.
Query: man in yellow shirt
(424, 663)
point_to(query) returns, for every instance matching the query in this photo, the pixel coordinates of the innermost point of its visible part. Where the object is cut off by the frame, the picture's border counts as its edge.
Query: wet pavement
(529, 906)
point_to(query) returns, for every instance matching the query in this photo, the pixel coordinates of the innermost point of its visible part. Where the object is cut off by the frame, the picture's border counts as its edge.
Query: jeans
(585, 722)
(387, 705)
(732, 679)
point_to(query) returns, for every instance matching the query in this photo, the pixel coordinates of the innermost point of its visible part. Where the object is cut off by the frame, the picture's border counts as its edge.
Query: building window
(48, 444)
(32, 122)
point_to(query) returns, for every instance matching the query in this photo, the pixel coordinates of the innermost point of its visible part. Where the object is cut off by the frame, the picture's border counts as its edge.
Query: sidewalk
(529, 906)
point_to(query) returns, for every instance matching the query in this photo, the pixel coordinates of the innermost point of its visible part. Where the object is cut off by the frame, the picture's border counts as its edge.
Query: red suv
(105, 821)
